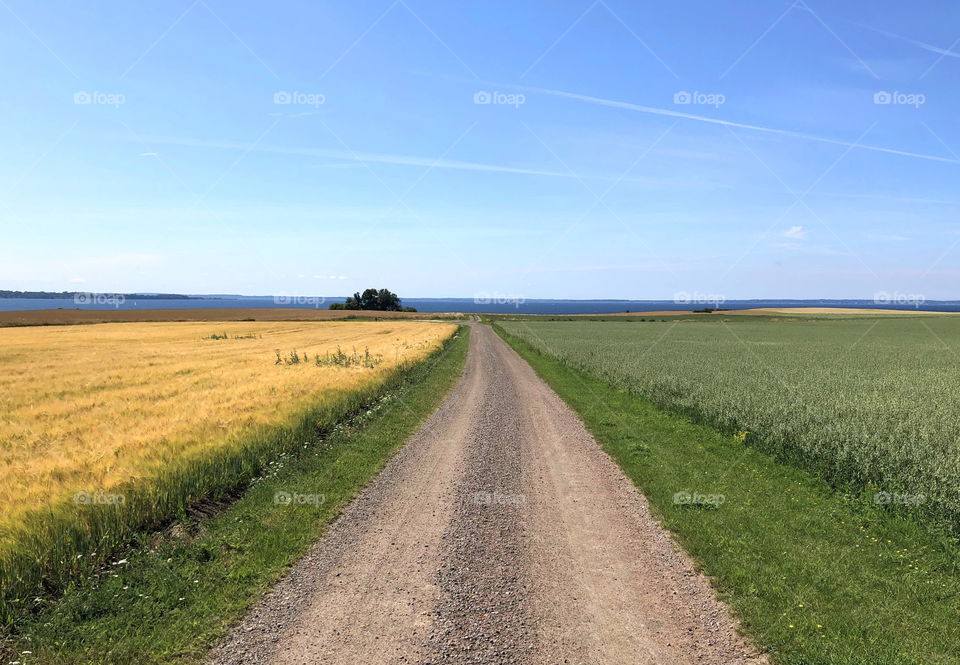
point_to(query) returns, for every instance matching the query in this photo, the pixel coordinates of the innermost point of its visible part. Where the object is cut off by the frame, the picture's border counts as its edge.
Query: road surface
(501, 533)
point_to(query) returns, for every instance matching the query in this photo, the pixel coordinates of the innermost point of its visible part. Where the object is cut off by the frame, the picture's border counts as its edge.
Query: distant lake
(482, 305)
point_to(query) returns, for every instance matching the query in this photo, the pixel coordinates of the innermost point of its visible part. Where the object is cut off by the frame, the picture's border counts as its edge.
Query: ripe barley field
(867, 403)
(108, 428)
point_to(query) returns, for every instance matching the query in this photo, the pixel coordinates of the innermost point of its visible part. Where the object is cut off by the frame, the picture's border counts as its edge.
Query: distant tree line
(69, 295)
(381, 300)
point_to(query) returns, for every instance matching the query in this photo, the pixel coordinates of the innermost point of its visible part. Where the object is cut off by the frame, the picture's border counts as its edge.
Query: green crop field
(872, 404)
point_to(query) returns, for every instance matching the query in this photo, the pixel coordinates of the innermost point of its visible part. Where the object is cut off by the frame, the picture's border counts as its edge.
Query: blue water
(493, 305)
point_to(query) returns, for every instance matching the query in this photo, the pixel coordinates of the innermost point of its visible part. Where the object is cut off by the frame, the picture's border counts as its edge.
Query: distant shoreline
(80, 296)
(771, 311)
(79, 316)
(86, 316)
(482, 304)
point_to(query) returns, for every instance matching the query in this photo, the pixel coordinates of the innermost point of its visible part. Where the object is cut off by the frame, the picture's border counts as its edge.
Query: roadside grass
(816, 577)
(112, 431)
(174, 594)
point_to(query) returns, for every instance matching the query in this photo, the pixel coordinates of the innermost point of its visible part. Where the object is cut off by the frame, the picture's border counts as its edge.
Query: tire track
(501, 533)
(484, 614)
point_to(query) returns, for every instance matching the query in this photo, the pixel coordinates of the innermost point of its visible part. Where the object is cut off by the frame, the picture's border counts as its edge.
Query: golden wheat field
(85, 408)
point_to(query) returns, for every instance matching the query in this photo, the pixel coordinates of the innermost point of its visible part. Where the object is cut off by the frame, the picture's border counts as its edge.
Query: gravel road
(501, 533)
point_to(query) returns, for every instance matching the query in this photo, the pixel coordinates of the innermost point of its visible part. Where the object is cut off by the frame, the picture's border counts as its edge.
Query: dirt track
(500, 534)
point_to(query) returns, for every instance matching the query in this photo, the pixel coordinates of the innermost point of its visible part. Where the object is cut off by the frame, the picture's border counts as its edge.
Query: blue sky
(605, 149)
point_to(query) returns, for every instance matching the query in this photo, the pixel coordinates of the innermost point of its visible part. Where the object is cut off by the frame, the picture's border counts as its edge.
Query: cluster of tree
(381, 300)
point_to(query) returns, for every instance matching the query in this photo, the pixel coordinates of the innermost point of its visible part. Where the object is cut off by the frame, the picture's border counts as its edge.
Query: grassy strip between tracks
(816, 577)
(175, 594)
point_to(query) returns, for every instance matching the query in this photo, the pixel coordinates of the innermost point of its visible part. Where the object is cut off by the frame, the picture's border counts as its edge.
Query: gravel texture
(501, 533)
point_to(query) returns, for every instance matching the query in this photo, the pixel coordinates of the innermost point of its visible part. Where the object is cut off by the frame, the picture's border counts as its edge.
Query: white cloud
(795, 232)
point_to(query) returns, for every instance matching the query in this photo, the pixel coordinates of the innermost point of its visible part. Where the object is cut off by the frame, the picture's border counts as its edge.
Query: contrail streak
(716, 121)
(915, 42)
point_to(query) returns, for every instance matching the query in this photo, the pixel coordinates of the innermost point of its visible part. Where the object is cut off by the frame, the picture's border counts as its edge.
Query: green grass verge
(177, 592)
(816, 577)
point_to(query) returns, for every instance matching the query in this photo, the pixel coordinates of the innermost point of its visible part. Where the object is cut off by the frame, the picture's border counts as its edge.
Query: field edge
(366, 437)
(749, 545)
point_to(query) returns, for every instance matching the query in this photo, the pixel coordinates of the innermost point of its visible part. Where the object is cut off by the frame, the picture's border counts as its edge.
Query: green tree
(382, 300)
(388, 301)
